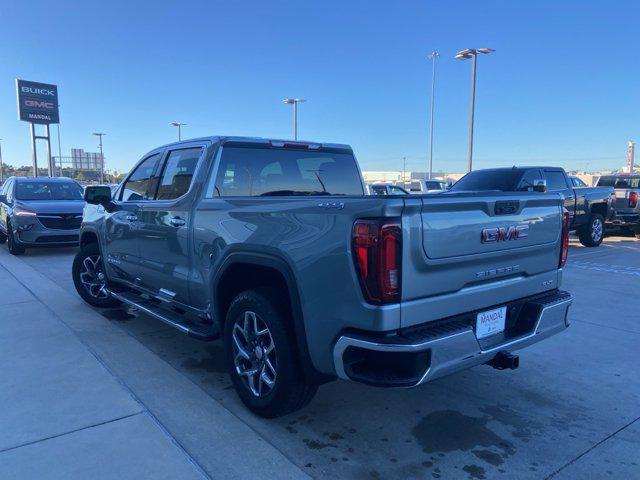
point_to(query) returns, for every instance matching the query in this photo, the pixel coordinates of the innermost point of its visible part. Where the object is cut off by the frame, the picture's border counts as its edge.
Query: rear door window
(555, 180)
(137, 185)
(178, 173)
(255, 171)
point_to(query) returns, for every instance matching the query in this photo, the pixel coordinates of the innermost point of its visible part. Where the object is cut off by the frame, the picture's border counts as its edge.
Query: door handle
(131, 217)
(177, 222)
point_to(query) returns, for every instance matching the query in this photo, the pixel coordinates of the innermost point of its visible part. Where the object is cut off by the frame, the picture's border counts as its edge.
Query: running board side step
(174, 320)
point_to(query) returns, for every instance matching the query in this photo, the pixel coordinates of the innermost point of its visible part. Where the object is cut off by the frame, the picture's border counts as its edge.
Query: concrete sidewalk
(81, 399)
(63, 414)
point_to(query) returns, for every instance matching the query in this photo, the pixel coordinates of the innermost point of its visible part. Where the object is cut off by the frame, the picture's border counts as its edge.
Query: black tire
(592, 234)
(14, 249)
(83, 275)
(289, 391)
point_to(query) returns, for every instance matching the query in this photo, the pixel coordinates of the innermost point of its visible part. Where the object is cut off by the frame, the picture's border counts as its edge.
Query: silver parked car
(40, 212)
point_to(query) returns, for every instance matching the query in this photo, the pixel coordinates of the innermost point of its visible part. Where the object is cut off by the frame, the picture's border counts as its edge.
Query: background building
(82, 160)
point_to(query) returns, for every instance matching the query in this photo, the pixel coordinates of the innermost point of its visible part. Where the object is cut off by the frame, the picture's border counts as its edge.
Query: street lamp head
(434, 54)
(485, 50)
(98, 134)
(177, 124)
(466, 53)
(293, 100)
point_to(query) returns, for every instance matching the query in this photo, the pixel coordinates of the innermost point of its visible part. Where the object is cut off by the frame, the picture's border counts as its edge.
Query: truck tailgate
(465, 252)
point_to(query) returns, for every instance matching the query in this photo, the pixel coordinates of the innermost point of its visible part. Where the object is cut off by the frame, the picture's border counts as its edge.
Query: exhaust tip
(504, 360)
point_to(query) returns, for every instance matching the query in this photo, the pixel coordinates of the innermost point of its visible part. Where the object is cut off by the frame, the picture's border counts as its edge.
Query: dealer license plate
(490, 322)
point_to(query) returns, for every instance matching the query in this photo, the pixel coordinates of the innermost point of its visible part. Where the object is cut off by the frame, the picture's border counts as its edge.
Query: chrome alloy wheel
(92, 277)
(254, 354)
(596, 230)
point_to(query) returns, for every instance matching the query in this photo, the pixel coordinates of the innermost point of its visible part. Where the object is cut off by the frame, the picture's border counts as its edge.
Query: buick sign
(37, 102)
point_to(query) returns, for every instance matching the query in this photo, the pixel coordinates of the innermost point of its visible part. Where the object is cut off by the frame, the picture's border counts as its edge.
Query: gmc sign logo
(502, 234)
(37, 104)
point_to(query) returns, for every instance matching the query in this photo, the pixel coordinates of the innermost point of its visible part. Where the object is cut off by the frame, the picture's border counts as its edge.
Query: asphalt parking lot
(572, 409)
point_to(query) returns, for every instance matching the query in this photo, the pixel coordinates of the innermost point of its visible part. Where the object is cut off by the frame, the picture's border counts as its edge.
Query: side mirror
(540, 186)
(98, 195)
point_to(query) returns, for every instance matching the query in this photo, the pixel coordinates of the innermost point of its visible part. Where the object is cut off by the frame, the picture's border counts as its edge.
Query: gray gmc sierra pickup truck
(275, 246)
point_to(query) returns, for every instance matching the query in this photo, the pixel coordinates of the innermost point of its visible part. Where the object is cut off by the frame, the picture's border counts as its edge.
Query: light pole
(179, 126)
(100, 135)
(432, 56)
(294, 102)
(472, 53)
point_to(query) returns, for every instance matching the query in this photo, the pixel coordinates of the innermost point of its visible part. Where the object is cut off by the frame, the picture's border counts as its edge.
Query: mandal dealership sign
(37, 102)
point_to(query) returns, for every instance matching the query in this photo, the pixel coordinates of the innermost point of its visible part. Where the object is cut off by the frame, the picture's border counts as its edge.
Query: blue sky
(561, 88)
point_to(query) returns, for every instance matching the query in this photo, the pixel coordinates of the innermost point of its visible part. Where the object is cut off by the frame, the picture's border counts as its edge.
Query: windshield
(619, 182)
(48, 191)
(503, 180)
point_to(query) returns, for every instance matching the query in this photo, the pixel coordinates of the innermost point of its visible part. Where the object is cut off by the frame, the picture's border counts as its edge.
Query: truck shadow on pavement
(459, 425)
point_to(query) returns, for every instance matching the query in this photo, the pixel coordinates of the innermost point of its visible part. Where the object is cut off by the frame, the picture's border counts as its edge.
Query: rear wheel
(262, 358)
(14, 248)
(89, 277)
(592, 234)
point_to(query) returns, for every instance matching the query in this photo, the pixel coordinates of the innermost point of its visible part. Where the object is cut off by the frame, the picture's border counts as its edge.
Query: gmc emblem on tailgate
(502, 234)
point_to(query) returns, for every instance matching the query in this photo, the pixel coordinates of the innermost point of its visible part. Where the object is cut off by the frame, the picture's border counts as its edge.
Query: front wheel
(89, 277)
(592, 234)
(14, 248)
(262, 358)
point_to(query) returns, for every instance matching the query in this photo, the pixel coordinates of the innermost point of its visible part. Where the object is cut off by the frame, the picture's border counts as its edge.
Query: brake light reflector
(633, 199)
(377, 254)
(564, 250)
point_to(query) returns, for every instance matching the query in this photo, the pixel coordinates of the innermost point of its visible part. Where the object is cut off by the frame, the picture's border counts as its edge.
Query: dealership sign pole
(38, 104)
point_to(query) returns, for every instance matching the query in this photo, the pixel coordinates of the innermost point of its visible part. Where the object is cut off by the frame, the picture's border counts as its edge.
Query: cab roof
(256, 140)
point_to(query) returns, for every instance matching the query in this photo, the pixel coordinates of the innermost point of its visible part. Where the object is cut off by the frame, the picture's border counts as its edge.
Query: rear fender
(274, 261)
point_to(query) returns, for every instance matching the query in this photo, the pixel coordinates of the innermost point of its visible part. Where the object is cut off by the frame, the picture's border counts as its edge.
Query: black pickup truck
(589, 207)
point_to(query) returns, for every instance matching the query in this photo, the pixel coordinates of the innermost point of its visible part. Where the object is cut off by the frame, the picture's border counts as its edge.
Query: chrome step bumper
(457, 349)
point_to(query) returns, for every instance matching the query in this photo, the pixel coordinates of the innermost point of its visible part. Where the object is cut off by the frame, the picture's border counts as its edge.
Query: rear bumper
(626, 219)
(421, 354)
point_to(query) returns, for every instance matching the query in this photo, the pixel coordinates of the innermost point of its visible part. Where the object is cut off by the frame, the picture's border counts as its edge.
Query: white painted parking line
(605, 267)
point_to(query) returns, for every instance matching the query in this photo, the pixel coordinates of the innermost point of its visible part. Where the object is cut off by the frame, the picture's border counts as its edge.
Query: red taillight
(633, 199)
(377, 253)
(564, 252)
